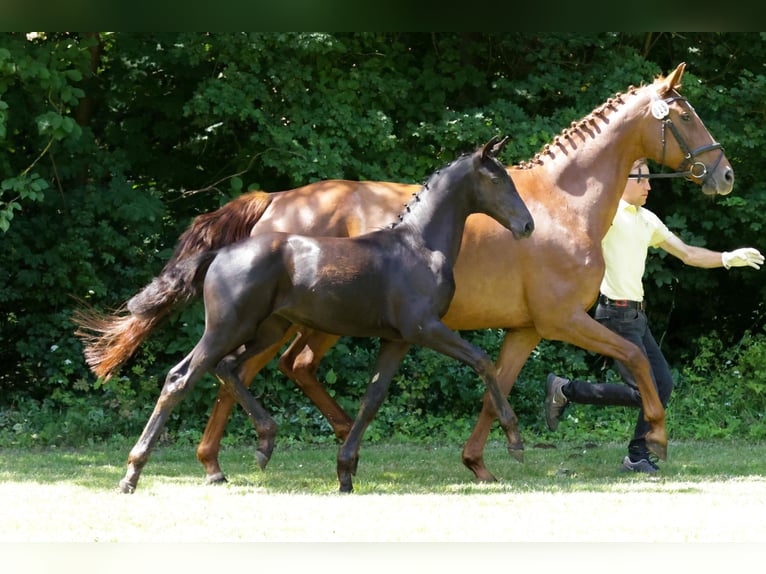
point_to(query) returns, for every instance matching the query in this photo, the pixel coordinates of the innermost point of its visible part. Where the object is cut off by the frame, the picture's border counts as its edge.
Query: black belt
(621, 303)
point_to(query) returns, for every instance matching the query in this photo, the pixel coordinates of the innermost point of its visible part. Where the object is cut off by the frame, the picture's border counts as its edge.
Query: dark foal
(394, 284)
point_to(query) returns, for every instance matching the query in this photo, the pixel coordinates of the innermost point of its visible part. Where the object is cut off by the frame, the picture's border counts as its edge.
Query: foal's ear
(493, 147)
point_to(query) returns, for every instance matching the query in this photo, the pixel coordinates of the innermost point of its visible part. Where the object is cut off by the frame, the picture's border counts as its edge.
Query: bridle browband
(689, 168)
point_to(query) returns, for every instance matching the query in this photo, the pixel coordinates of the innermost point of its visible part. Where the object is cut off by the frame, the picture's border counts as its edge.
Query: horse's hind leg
(513, 354)
(178, 383)
(390, 357)
(300, 363)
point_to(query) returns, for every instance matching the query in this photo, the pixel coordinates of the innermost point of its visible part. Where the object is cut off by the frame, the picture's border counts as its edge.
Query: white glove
(742, 257)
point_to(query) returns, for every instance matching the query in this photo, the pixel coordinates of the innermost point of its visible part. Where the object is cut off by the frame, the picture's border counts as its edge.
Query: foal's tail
(110, 339)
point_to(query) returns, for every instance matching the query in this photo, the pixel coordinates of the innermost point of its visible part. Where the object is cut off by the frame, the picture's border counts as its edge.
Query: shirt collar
(625, 206)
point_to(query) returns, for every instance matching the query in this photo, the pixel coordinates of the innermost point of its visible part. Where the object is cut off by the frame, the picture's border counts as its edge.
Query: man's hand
(742, 257)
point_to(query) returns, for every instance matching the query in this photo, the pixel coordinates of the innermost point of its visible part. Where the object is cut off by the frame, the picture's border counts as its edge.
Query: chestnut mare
(394, 284)
(538, 288)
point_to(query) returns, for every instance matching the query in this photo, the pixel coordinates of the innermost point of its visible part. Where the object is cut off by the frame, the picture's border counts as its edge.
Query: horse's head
(677, 138)
(496, 193)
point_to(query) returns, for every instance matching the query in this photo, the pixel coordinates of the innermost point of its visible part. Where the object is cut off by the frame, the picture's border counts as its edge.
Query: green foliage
(111, 142)
(720, 392)
(38, 94)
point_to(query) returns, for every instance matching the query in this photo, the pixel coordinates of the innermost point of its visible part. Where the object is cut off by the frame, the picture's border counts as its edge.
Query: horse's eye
(686, 117)
(496, 180)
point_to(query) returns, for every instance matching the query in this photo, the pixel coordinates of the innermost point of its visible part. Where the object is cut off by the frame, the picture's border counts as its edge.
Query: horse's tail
(110, 339)
(229, 223)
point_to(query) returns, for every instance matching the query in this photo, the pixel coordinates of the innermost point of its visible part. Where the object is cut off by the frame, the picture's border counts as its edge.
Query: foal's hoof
(217, 478)
(126, 487)
(346, 469)
(345, 486)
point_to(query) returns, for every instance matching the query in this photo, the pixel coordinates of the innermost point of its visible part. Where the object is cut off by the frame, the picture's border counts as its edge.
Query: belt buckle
(620, 303)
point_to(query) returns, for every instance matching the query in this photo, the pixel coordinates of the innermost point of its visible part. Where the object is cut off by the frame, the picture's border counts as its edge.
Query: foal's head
(495, 193)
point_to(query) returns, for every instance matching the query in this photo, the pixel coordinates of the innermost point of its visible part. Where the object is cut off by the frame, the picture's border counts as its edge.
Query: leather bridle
(690, 167)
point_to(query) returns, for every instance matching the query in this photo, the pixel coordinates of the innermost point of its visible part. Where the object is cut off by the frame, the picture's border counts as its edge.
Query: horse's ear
(673, 80)
(493, 147)
(498, 147)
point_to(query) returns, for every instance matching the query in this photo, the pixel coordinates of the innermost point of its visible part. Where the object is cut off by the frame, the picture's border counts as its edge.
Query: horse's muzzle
(722, 185)
(525, 230)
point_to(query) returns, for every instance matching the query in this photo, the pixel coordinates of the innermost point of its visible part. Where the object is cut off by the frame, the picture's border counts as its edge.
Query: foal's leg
(265, 426)
(270, 331)
(390, 357)
(439, 337)
(210, 444)
(178, 383)
(514, 352)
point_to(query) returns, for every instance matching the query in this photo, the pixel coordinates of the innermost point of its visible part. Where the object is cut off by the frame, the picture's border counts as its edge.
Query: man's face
(637, 189)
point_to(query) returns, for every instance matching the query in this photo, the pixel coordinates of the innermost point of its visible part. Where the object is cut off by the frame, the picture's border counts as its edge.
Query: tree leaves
(101, 135)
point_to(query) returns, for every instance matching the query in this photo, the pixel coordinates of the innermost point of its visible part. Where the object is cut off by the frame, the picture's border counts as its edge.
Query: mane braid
(416, 196)
(579, 128)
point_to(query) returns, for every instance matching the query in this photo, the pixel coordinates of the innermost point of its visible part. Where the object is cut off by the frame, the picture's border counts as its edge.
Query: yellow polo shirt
(625, 246)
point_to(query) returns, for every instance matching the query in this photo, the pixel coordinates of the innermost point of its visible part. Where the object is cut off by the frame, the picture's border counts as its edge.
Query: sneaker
(555, 401)
(642, 465)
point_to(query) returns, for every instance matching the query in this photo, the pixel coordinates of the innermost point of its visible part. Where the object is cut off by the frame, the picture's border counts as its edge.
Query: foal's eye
(496, 180)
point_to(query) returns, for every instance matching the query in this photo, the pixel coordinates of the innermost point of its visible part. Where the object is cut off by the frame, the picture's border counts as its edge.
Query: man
(621, 308)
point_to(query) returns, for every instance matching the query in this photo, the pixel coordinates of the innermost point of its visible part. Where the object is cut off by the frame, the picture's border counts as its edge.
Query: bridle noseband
(690, 168)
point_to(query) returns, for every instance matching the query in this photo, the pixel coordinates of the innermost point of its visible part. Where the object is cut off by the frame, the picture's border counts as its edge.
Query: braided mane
(416, 196)
(581, 128)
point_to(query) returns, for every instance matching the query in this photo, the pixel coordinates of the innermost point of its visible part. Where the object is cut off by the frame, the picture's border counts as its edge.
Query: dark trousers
(632, 325)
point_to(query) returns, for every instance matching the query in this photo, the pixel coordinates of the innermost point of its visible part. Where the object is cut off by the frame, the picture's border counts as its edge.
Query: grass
(707, 492)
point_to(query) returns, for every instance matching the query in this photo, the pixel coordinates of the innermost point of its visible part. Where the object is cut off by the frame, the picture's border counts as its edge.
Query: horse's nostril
(528, 229)
(729, 175)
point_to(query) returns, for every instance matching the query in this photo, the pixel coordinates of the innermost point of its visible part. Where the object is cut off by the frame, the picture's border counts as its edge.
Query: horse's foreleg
(586, 332)
(514, 352)
(300, 363)
(178, 383)
(210, 444)
(390, 357)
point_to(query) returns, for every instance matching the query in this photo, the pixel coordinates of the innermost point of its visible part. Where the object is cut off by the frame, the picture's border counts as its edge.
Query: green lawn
(712, 492)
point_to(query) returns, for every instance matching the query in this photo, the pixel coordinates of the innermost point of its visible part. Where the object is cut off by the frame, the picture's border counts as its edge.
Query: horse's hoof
(126, 487)
(486, 477)
(659, 450)
(217, 478)
(479, 470)
(261, 459)
(517, 453)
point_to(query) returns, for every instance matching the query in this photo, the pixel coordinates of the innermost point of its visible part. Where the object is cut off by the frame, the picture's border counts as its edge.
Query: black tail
(110, 340)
